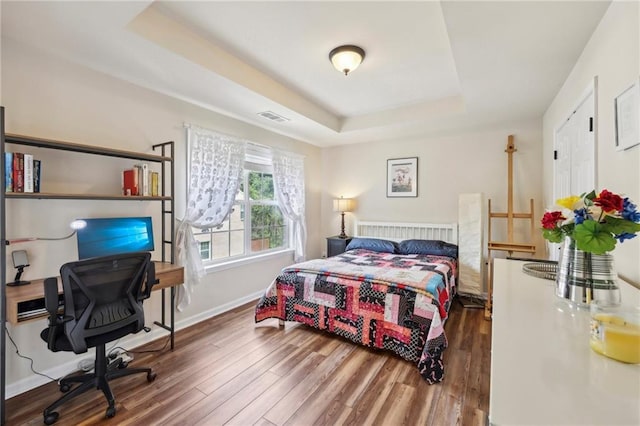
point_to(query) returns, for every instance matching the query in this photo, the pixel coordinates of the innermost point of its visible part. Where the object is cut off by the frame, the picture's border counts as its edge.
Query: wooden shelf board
(46, 195)
(513, 215)
(168, 274)
(506, 246)
(86, 149)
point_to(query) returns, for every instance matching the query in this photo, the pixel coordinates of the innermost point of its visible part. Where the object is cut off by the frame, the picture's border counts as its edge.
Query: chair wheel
(123, 365)
(111, 412)
(64, 387)
(51, 418)
(151, 376)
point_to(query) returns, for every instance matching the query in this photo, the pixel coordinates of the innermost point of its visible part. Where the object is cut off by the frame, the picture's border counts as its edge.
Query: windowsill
(247, 260)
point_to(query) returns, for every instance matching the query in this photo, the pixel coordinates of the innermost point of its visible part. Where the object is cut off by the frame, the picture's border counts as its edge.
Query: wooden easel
(510, 245)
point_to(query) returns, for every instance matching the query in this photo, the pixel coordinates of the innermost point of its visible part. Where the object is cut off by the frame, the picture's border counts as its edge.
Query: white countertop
(543, 371)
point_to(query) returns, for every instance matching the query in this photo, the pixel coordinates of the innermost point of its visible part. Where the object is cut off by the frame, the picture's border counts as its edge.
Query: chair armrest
(51, 295)
(51, 305)
(151, 281)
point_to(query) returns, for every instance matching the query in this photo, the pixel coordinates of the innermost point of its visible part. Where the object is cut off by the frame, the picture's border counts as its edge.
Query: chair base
(104, 372)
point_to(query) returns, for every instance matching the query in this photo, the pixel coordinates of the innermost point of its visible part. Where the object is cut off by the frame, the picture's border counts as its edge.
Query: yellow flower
(568, 202)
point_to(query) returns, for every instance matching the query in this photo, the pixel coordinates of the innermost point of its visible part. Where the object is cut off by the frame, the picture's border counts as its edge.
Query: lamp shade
(346, 58)
(342, 205)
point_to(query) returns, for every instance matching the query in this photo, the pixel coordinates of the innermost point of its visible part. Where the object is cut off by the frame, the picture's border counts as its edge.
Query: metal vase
(583, 277)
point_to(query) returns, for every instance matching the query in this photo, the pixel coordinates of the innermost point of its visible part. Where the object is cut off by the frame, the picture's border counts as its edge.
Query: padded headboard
(398, 231)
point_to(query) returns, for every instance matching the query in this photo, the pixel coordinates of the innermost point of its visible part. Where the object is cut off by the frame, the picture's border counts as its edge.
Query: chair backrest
(103, 297)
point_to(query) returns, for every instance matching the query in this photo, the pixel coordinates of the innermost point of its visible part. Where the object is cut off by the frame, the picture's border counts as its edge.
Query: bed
(391, 289)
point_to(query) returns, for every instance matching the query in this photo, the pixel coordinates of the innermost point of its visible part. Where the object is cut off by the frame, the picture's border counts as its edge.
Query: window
(256, 224)
(205, 249)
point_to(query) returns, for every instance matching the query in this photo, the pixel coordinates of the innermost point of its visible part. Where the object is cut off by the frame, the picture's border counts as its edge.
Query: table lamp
(342, 205)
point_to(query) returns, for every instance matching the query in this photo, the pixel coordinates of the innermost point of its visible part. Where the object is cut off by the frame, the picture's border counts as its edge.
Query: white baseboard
(186, 322)
(139, 339)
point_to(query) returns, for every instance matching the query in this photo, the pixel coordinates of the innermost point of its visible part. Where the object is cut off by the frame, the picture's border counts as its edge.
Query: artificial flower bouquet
(594, 221)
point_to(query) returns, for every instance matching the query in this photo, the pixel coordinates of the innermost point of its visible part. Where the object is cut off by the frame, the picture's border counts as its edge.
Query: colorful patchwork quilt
(381, 300)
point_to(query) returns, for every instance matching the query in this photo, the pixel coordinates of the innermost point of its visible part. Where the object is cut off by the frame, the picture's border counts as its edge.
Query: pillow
(433, 247)
(373, 244)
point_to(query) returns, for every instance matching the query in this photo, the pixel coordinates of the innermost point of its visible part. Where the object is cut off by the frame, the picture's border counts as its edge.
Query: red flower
(550, 219)
(609, 201)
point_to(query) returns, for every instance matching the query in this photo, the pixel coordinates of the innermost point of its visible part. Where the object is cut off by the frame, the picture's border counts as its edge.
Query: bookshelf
(163, 154)
(91, 150)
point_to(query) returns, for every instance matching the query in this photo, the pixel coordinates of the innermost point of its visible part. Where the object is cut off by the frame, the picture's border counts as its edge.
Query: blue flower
(580, 215)
(625, 236)
(629, 211)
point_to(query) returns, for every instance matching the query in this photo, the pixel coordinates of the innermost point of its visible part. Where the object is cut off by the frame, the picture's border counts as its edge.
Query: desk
(168, 275)
(543, 371)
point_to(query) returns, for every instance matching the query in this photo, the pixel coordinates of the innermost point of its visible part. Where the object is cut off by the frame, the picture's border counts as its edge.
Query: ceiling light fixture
(346, 58)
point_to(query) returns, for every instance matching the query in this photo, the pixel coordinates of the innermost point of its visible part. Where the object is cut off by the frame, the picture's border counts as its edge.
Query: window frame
(257, 159)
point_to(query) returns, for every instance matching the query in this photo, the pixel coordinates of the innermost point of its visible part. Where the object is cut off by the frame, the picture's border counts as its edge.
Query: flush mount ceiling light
(346, 58)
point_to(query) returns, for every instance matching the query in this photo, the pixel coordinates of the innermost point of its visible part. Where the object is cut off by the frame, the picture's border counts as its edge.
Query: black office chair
(102, 303)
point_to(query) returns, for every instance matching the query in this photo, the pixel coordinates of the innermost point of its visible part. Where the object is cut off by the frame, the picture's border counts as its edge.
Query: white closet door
(562, 164)
(583, 149)
(575, 149)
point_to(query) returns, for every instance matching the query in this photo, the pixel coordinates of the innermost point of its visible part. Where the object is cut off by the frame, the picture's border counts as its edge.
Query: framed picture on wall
(627, 112)
(402, 177)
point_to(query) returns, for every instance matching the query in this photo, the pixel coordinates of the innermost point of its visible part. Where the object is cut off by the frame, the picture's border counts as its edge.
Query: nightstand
(337, 245)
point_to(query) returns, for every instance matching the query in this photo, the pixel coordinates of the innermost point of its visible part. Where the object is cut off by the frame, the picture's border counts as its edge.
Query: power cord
(150, 351)
(82, 365)
(27, 358)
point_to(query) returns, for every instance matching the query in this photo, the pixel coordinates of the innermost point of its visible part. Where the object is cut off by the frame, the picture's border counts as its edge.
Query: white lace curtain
(288, 178)
(215, 172)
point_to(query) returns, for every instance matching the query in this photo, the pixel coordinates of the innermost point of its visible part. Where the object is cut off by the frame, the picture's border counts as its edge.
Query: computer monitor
(114, 235)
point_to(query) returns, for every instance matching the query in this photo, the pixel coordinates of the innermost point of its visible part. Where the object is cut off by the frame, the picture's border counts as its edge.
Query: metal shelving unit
(166, 160)
(3, 275)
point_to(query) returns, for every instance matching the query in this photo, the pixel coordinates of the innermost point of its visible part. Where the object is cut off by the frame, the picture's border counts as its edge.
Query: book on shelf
(28, 172)
(130, 182)
(37, 166)
(138, 178)
(18, 172)
(8, 172)
(144, 179)
(155, 176)
(141, 181)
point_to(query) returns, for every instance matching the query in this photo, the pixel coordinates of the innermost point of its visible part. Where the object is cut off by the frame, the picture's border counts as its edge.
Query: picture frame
(402, 177)
(627, 117)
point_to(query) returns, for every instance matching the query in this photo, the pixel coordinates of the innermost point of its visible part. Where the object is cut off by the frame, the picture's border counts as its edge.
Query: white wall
(473, 161)
(51, 98)
(612, 55)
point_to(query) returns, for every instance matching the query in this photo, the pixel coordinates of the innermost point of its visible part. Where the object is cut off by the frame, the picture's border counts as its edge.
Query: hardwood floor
(228, 370)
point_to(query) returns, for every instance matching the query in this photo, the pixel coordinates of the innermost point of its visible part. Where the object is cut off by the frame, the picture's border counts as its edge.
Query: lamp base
(17, 283)
(342, 233)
